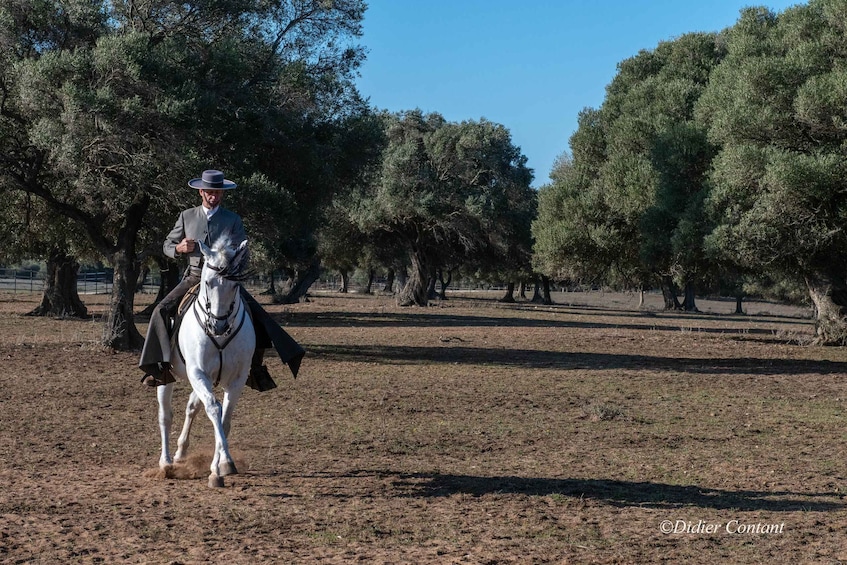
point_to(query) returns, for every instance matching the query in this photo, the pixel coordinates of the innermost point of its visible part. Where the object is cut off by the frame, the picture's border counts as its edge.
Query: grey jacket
(192, 223)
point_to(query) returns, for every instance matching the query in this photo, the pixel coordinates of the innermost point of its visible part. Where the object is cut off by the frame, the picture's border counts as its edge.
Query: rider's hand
(185, 246)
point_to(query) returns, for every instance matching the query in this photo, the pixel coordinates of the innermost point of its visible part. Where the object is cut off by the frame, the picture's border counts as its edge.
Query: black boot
(161, 376)
(259, 377)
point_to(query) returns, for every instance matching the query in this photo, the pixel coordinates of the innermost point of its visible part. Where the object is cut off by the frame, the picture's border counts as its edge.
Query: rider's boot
(164, 376)
(259, 377)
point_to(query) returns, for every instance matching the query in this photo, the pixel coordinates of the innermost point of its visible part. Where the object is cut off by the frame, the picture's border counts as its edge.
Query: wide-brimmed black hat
(212, 180)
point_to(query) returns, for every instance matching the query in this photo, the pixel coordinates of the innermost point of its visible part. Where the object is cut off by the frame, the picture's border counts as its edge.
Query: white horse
(216, 342)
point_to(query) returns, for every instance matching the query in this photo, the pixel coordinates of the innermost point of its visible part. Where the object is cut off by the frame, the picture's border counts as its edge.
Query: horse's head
(224, 267)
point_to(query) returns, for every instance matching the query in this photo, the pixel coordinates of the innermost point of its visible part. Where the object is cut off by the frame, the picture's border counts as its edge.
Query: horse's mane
(237, 270)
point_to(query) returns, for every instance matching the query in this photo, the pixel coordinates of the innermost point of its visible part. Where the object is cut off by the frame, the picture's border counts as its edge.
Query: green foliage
(777, 107)
(568, 233)
(628, 204)
(123, 101)
(718, 159)
(449, 194)
(107, 108)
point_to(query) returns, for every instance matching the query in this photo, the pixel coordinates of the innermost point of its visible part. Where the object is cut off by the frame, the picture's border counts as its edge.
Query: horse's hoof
(228, 469)
(216, 481)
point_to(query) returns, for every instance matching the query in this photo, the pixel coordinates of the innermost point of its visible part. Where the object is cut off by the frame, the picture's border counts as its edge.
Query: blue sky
(531, 65)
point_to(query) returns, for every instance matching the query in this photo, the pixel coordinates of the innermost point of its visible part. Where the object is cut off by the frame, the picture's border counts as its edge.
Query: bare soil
(467, 432)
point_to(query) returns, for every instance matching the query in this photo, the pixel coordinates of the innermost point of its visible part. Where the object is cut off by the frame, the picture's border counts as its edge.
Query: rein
(228, 333)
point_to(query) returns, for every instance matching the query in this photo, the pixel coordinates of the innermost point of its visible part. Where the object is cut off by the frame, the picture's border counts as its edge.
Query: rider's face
(211, 197)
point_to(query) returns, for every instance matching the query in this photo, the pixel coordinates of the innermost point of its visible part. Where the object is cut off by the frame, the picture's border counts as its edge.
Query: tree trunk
(271, 290)
(389, 281)
(402, 278)
(541, 291)
(829, 295)
(640, 298)
(414, 292)
(119, 331)
(169, 277)
(143, 273)
(444, 282)
(669, 293)
(545, 290)
(303, 281)
(60, 298)
(522, 290)
(430, 285)
(345, 281)
(536, 291)
(371, 275)
(510, 293)
(688, 303)
(739, 298)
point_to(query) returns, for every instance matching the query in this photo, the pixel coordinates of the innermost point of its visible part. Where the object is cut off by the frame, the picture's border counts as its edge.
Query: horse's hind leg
(192, 408)
(164, 394)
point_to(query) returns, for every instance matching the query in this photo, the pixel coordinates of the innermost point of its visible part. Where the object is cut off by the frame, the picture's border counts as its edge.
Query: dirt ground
(471, 431)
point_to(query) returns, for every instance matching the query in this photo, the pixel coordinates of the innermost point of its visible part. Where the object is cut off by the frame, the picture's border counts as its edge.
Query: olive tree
(445, 191)
(626, 205)
(106, 108)
(777, 107)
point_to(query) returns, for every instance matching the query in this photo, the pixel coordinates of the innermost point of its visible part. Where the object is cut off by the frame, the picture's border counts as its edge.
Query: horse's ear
(204, 249)
(240, 253)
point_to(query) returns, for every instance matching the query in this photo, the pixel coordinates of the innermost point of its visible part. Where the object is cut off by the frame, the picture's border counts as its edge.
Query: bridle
(208, 324)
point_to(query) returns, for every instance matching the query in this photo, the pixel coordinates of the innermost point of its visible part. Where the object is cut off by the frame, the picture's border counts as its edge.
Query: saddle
(183, 307)
(187, 300)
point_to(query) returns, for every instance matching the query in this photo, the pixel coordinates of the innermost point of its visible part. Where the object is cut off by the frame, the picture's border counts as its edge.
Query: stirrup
(165, 377)
(260, 379)
(150, 380)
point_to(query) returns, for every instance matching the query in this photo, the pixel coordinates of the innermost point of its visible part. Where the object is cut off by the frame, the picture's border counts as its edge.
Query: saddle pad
(186, 301)
(183, 307)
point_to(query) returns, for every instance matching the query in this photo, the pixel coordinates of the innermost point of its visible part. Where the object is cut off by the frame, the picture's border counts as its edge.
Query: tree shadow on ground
(614, 492)
(538, 359)
(630, 311)
(664, 322)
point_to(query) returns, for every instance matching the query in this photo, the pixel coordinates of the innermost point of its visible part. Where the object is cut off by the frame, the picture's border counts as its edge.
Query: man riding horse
(207, 222)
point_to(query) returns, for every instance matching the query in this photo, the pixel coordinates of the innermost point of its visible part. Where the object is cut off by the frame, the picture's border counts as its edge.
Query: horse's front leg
(164, 395)
(231, 395)
(226, 465)
(221, 462)
(192, 408)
